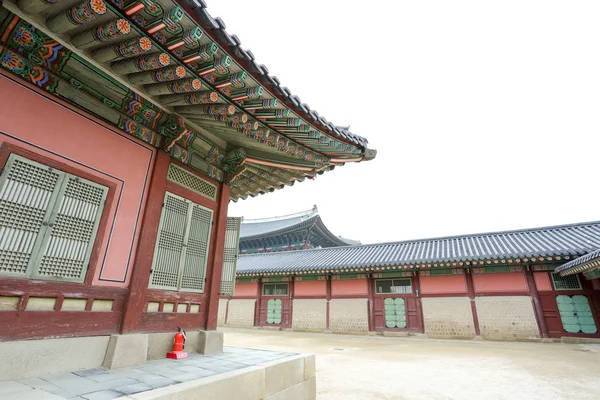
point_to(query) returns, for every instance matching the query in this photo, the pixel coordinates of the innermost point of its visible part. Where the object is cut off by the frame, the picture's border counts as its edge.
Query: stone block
(246, 384)
(348, 316)
(34, 358)
(280, 375)
(448, 317)
(395, 334)
(210, 342)
(222, 312)
(126, 351)
(306, 390)
(309, 366)
(310, 315)
(241, 313)
(161, 343)
(506, 318)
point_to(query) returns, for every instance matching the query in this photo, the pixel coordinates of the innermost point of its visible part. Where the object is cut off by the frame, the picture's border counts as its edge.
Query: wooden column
(417, 287)
(257, 304)
(291, 295)
(214, 274)
(537, 305)
(138, 284)
(370, 290)
(471, 293)
(328, 294)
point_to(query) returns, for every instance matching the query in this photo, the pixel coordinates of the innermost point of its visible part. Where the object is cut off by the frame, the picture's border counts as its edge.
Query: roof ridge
(435, 238)
(313, 211)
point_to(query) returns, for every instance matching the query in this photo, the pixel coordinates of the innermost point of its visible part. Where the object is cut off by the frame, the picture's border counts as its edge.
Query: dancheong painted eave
(586, 263)
(552, 244)
(168, 73)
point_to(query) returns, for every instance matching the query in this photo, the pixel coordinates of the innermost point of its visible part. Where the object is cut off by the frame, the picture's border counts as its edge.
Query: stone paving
(101, 384)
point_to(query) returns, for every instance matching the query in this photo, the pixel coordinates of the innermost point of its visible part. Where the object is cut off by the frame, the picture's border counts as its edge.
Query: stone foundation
(506, 318)
(222, 312)
(348, 316)
(309, 315)
(448, 317)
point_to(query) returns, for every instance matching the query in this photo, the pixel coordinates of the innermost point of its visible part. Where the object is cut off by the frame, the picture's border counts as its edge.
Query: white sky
(485, 114)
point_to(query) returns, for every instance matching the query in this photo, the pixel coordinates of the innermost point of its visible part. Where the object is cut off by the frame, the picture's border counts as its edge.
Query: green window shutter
(395, 312)
(274, 309)
(168, 252)
(575, 314)
(69, 239)
(28, 191)
(230, 255)
(196, 249)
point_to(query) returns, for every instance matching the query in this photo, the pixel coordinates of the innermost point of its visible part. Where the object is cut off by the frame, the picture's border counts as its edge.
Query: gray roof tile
(563, 240)
(579, 264)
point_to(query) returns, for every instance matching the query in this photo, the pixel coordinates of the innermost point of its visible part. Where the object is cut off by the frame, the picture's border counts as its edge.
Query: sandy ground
(375, 367)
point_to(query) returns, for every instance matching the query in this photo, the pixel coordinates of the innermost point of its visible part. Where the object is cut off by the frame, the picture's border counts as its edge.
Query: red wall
(443, 284)
(245, 289)
(46, 127)
(351, 287)
(505, 282)
(310, 288)
(542, 281)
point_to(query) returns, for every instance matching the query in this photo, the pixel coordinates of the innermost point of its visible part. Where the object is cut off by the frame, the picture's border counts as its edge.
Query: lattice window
(395, 312)
(275, 289)
(570, 282)
(387, 286)
(190, 181)
(48, 221)
(230, 255)
(181, 251)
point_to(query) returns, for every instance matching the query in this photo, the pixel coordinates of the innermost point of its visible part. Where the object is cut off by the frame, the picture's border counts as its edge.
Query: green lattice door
(395, 312)
(181, 252)
(576, 314)
(274, 308)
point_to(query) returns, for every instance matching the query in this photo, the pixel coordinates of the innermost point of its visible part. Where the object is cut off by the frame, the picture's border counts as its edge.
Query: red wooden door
(266, 316)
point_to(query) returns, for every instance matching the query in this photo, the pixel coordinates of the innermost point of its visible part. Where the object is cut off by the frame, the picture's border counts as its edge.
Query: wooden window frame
(6, 149)
(392, 280)
(287, 292)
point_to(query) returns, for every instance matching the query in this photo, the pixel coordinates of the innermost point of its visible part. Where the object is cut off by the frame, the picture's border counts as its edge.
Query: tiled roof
(216, 28)
(259, 227)
(580, 264)
(564, 240)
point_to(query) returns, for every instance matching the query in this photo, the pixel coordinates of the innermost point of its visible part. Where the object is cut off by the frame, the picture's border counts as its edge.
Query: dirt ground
(376, 367)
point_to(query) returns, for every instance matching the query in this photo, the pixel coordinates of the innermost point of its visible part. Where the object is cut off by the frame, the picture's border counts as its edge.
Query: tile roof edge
(545, 228)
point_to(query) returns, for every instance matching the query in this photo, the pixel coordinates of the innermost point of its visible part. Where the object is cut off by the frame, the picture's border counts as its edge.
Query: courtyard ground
(415, 368)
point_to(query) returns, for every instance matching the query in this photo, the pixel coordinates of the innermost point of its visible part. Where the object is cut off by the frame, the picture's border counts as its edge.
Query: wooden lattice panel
(192, 182)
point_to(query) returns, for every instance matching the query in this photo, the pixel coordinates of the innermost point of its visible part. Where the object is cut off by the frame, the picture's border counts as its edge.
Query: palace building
(300, 231)
(126, 128)
(531, 284)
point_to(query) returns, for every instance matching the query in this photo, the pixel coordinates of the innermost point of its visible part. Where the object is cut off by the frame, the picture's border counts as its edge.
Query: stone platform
(236, 374)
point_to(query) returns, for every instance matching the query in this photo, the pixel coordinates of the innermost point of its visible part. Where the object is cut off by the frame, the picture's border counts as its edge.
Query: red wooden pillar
(370, 290)
(471, 293)
(140, 276)
(328, 294)
(258, 301)
(417, 287)
(292, 289)
(537, 305)
(213, 277)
